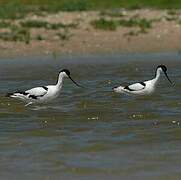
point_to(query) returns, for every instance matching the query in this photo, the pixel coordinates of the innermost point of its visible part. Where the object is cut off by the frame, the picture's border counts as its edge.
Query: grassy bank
(19, 8)
(45, 21)
(97, 4)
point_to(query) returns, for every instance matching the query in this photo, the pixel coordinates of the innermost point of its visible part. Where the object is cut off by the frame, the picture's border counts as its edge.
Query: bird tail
(19, 95)
(118, 89)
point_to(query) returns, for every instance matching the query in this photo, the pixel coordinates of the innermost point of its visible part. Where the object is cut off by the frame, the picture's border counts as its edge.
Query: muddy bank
(93, 32)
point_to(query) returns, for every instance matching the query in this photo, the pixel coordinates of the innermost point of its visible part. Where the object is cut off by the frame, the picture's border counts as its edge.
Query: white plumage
(143, 88)
(44, 93)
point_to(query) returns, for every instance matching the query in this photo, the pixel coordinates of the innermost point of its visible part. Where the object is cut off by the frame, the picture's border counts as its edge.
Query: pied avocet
(143, 88)
(43, 93)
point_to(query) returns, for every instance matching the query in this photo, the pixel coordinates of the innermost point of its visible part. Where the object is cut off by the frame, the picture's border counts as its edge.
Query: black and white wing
(37, 92)
(135, 87)
(33, 93)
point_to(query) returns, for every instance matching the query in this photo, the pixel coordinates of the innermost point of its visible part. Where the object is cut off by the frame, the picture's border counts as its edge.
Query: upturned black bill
(168, 78)
(74, 82)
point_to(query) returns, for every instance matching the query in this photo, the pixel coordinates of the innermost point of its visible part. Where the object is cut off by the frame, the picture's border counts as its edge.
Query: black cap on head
(68, 74)
(163, 67)
(66, 71)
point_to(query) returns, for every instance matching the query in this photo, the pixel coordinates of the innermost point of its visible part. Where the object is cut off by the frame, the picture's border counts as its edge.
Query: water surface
(91, 132)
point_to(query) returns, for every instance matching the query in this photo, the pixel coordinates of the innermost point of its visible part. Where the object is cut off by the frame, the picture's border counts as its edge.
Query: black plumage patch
(44, 87)
(142, 83)
(33, 96)
(127, 87)
(21, 92)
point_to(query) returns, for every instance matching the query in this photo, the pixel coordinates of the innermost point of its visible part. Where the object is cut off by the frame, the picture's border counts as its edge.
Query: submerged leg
(28, 104)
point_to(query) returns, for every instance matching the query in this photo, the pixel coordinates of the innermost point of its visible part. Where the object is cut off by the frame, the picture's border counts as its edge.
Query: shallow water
(91, 132)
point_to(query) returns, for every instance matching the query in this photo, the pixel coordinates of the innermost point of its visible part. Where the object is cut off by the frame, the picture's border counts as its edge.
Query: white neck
(60, 80)
(157, 76)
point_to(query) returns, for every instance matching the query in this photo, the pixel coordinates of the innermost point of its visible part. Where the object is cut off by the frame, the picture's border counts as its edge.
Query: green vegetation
(172, 12)
(64, 35)
(111, 16)
(4, 24)
(21, 31)
(133, 22)
(34, 24)
(105, 24)
(112, 13)
(46, 25)
(78, 5)
(39, 37)
(16, 34)
(132, 33)
(172, 15)
(97, 4)
(14, 9)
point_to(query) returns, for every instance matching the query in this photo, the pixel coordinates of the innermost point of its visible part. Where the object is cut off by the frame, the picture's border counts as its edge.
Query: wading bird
(44, 93)
(143, 88)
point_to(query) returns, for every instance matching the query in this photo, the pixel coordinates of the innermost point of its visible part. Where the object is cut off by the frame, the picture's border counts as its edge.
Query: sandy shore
(163, 36)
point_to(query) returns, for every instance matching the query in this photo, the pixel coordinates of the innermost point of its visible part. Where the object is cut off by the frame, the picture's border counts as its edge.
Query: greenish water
(92, 132)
